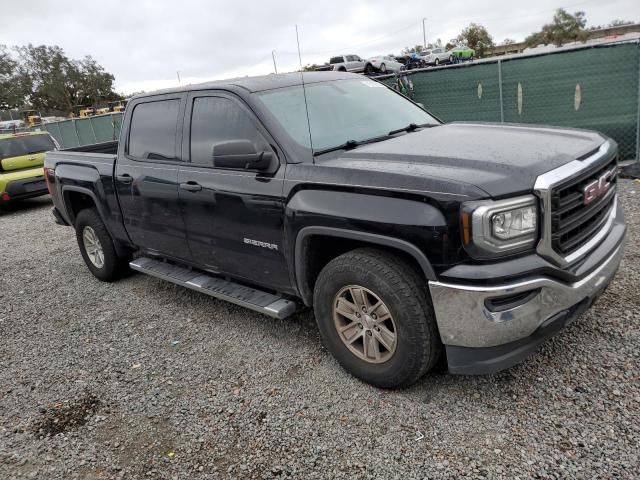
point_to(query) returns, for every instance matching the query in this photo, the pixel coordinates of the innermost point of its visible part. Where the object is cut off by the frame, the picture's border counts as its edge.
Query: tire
(383, 68)
(89, 227)
(437, 62)
(342, 69)
(368, 70)
(451, 59)
(387, 278)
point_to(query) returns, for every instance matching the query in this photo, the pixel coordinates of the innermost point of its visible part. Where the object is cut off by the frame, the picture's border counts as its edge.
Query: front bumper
(481, 337)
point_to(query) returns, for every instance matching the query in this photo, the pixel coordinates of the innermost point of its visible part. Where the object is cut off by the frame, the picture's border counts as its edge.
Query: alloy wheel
(93, 247)
(364, 324)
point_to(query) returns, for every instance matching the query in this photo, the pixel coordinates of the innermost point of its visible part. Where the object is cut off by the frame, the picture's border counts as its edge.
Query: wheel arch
(76, 199)
(307, 266)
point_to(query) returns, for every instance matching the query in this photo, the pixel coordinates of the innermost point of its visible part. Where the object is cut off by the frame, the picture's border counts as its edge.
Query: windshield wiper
(350, 144)
(412, 127)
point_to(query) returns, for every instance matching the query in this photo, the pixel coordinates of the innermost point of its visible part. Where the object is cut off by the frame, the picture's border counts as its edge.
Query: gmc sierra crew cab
(406, 241)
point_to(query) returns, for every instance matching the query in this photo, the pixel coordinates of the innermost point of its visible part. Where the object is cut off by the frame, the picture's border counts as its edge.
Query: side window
(335, 60)
(218, 119)
(153, 130)
(352, 58)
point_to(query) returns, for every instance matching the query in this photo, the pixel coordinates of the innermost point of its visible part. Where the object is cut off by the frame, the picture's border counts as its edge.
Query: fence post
(638, 111)
(95, 137)
(500, 89)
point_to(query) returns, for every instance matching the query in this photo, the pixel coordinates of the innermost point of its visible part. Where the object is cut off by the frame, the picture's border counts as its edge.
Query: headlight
(491, 228)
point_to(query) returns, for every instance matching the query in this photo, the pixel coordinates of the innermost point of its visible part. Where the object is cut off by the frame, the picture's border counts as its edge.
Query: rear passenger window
(215, 120)
(335, 60)
(153, 130)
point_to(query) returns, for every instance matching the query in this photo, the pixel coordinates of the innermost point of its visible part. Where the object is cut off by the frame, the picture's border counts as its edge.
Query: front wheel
(383, 68)
(375, 317)
(437, 62)
(97, 247)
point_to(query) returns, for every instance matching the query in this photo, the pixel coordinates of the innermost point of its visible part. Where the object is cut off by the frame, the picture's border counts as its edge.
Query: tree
(508, 41)
(12, 84)
(564, 28)
(414, 49)
(59, 84)
(477, 37)
(620, 23)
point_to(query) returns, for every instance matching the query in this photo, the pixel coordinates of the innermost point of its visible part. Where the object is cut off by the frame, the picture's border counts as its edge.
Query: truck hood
(500, 159)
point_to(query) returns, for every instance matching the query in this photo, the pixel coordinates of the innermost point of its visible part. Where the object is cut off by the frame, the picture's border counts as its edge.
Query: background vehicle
(463, 53)
(32, 117)
(347, 63)
(404, 240)
(117, 107)
(21, 160)
(437, 56)
(10, 126)
(411, 61)
(383, 64)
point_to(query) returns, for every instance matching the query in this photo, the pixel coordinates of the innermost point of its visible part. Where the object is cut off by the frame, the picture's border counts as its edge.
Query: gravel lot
(142, 379)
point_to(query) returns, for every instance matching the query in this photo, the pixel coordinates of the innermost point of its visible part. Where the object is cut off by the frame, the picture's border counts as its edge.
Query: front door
(146, 176)
(234, 218)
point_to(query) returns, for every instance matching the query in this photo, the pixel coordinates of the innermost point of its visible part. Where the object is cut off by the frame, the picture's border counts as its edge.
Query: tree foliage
(415, 49)
(564, 28)
(44, 78)
(477, 37)
(12, 83)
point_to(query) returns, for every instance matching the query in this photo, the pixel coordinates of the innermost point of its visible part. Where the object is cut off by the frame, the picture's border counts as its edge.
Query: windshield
(17, 146)
(342, 110)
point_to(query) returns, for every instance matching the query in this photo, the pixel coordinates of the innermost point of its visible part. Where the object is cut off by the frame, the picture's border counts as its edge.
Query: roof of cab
(260, 83)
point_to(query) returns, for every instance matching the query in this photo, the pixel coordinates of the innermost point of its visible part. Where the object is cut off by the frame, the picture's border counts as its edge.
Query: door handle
(191, 186)
(124, 178)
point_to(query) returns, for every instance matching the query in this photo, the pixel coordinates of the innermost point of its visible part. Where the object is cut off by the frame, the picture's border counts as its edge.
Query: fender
(371, 238)
(120, 248)
(365, 217)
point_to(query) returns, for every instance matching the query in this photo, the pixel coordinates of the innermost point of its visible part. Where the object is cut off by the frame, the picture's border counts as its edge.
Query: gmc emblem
(599, 187)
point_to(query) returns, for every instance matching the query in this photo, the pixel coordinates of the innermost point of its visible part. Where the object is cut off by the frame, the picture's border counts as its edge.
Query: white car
(383, 64)
(436, 56)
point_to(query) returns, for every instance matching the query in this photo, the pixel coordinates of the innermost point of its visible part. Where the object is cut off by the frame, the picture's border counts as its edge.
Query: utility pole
(273, 55)
(424, 33)
(178, 73)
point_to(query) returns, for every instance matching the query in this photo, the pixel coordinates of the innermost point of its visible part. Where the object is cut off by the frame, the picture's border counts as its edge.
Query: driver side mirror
(241, 154)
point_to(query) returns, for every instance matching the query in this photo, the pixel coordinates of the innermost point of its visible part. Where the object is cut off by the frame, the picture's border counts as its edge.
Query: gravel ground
(143, 379)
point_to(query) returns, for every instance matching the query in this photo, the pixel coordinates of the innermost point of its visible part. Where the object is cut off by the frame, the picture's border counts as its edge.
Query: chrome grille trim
(544, 188)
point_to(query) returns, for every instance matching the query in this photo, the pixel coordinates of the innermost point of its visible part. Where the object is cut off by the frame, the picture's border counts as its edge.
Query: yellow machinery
(87, 112)
(32, 117)
(117, 107)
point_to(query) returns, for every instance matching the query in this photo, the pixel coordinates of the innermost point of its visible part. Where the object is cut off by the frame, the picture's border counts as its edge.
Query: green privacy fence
(595, 87)
(83, 131)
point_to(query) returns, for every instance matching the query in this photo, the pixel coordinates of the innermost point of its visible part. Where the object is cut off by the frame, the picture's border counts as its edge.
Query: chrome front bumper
(465, 320)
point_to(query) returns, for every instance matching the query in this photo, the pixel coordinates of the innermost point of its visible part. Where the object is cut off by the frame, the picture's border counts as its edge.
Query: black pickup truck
(407, 236)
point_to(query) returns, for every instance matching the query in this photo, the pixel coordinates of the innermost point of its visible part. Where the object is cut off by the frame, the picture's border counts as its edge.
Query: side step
(263, 302)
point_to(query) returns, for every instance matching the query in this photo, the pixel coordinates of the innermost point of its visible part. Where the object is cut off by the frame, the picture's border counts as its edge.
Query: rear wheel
(383, 68)
(375, 317)
(437, 62)
(97, 247)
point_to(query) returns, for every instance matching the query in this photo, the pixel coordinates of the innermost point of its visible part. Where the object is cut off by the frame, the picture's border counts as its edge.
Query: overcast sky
(145, 42)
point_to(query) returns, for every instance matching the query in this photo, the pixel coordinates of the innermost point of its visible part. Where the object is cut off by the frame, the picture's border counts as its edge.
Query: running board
(257, 300)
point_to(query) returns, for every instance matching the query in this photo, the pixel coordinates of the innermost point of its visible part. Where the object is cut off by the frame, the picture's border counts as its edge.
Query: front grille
(573, 223)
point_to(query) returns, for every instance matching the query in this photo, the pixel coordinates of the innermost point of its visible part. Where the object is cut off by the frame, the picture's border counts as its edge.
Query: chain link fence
(82, 131)
(594, 87)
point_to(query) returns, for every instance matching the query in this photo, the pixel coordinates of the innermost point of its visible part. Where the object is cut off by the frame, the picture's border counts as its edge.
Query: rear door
(234, 218)
(146, 176)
